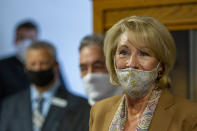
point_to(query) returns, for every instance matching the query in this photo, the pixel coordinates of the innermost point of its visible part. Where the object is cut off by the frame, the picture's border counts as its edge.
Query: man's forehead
(40, 52)
(92, 50)
(92, 58)
(29, 33)
(26, 29)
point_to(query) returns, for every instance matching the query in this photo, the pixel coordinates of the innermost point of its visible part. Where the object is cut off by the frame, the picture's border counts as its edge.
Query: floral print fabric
(120, 116)
(136, 83)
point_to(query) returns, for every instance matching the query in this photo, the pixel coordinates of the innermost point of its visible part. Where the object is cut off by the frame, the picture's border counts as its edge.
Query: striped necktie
(38, 118)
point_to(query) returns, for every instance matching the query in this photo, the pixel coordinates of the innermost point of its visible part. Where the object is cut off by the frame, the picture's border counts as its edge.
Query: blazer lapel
(162, 117)
(110, 115)
(163, 113)
(26, 111)
(56, 111)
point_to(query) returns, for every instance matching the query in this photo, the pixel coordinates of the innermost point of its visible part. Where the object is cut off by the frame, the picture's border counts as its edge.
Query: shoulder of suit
(19, 94)
(107, 103)
(181, 106)
(8, 59)
(78, 98)
(8, 63)
(68, 95)
(185, 103)
(15, 99)
(73, 99)
(112, 99)
(186, 110)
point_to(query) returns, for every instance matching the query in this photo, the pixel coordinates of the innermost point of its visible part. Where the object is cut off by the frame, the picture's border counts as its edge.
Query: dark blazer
(13, 78)
(78, 119)
(172, 114)
(16, 112)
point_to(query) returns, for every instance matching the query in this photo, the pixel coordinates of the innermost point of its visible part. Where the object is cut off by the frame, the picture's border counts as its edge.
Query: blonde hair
(144, 31)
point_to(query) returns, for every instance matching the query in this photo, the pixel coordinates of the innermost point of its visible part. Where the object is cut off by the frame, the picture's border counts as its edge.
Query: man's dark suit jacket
(78, 122)
(16, 113)
(13, 78)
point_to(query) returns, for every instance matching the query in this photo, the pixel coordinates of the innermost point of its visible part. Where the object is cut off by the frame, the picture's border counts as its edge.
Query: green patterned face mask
(136, 83)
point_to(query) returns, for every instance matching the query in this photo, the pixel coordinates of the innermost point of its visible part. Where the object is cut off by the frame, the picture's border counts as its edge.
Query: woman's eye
(144, 53)
(123, 52)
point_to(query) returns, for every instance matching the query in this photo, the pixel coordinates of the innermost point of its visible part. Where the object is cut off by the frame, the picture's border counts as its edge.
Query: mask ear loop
(116, 71)
(158, 65)
(156, 69)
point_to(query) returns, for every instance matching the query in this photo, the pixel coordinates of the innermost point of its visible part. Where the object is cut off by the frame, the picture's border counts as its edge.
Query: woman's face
(128, 56)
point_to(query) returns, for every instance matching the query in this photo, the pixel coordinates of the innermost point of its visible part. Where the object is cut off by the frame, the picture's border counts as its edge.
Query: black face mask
(41, 78)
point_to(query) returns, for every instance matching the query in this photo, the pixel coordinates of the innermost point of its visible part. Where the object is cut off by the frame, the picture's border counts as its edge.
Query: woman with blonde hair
(140, 53)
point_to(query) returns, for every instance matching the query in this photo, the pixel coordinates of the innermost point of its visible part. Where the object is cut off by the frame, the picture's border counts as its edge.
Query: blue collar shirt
(47, 98)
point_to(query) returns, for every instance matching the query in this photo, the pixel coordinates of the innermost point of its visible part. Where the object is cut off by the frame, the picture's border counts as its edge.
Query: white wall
(62, 22)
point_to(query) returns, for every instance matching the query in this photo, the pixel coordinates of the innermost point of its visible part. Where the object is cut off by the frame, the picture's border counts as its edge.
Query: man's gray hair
(45, 45)
(94, 39)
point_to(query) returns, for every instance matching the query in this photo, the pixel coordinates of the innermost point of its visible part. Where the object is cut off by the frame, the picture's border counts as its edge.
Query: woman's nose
(132, 62)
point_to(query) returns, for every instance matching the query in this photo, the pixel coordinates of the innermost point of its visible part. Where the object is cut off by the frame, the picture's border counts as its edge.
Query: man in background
(95, 79)
(94, 73)
(12, 76)
(46, 104)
